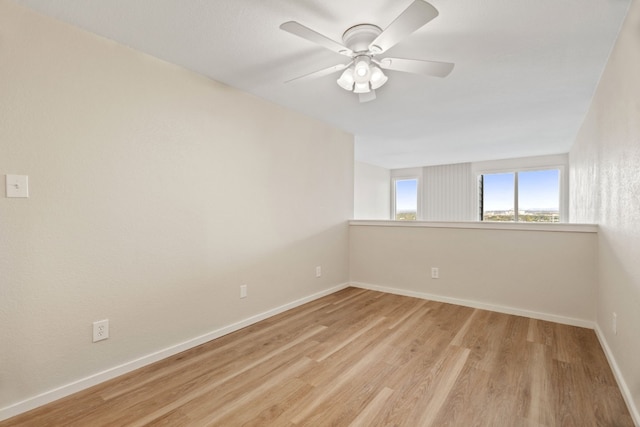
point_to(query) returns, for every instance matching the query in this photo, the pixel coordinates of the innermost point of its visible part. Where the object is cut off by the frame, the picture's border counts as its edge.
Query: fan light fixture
(362, 76)
(362, 43)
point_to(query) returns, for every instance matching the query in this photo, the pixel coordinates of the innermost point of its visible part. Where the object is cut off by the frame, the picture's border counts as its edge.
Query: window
(405, 199)
(497, 197)
(524, 196)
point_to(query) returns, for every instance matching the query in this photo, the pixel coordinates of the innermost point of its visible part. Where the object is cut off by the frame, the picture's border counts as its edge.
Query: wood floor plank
(184, 399)
(538, 406)
(357, 368)
(350, 398)
(365, 358)
(368, 415)
(442, 388)
(467, 403)
(250, 397)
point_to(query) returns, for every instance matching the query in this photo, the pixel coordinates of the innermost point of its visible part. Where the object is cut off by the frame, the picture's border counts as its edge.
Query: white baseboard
(622, 384)
(484, 306)
(100, 377)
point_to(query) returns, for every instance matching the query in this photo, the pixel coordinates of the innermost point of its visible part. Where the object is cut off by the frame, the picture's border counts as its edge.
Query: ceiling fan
(363, 42)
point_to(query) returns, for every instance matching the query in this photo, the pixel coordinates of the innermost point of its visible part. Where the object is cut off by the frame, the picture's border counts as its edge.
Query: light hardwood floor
(364, 358)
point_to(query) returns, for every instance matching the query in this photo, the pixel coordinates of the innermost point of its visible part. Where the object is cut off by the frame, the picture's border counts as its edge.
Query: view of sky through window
(538, 196)
(539, 190)
(498, 191)
(406, 198)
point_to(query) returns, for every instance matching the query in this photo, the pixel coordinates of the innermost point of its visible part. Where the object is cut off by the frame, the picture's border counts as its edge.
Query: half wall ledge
(483, 225)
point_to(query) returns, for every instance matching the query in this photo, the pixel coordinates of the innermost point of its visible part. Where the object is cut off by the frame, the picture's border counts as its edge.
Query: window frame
(563, 214)
(404, 177)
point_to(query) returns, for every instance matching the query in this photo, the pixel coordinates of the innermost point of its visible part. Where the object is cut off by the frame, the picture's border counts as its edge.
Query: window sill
(487, 225)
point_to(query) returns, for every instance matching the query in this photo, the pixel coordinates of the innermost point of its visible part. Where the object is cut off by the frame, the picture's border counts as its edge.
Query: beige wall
(155, 193)
(605, 188)
(548, 275)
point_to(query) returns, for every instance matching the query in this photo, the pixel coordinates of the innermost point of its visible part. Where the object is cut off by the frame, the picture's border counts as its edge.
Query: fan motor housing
(359, 37)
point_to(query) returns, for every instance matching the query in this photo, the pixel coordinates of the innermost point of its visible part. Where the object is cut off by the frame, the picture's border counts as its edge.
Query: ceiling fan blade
(366, 97)
(415, 16)
(416, 66)
(321, 73)
(306, 33)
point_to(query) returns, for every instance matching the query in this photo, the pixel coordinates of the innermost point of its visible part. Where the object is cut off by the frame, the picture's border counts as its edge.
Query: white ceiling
(524, 77)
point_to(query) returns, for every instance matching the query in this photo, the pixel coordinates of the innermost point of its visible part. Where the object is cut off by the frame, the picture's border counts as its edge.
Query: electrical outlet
(100, 330)
(614, 323)
(318, 271)
(243, 291)
(435, 273)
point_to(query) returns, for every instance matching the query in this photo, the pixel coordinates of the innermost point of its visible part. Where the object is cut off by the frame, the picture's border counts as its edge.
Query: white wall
(450, 193)
(542, 274)
(605, 188)
(155, 193)
(372, 192)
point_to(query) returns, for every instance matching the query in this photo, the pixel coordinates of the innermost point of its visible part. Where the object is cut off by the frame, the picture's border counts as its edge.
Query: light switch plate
(17, 185)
